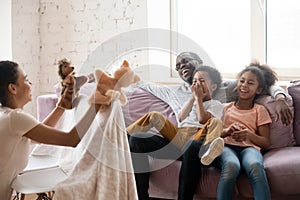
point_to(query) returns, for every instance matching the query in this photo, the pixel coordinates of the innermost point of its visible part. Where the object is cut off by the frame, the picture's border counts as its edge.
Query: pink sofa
(282, 159)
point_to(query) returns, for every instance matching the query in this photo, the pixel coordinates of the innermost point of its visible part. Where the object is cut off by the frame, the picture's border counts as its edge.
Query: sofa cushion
(282, 166)
(45, 104)
(164, 181)
(141, 102)
(280, 135)
(294, 91)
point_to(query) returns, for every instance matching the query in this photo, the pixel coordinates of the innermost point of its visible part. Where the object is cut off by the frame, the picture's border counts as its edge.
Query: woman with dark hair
(18, 128)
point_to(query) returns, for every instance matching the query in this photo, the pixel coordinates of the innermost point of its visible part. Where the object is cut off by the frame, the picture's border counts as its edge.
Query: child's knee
(216, 125)
(216, 121)
(231, 170)
(156, 116)
(155, 113)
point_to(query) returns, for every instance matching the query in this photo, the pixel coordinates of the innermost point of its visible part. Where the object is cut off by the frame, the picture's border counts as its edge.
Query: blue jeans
(251, 160)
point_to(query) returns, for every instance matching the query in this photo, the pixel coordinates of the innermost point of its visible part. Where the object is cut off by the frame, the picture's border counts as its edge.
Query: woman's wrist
(59, 109)
(95, 105)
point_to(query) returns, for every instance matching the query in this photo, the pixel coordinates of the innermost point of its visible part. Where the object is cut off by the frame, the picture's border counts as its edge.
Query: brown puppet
(67, 75)
(110, 87)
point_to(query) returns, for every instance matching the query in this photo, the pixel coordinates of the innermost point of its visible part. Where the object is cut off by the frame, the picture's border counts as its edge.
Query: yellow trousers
(177, 135)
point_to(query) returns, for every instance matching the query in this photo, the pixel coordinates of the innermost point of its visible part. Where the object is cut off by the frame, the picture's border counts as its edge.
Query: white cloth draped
(100, 166)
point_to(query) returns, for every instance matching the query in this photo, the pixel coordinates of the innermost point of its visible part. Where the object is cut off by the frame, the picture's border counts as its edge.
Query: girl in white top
(18, 128)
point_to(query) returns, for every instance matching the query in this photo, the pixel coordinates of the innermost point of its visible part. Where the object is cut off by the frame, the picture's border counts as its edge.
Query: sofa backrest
(294, 90)
(140, 102)
(280, 134)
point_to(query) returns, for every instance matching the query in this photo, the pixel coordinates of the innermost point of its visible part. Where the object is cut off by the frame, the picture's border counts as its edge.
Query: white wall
(25, 43)
(47, 30)
(5, 30)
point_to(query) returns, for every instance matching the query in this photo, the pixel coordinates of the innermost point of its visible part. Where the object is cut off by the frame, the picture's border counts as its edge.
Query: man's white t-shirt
(14, 148)
(177, 96)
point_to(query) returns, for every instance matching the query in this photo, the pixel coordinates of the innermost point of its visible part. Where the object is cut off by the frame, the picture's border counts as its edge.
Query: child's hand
(228, 131)
(238, 127)
(198, 90)
(241, 135)
(232, 129)
(240, 132)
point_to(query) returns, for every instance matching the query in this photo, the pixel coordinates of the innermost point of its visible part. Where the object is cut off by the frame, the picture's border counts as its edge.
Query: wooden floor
(34, 197)
(30, 197)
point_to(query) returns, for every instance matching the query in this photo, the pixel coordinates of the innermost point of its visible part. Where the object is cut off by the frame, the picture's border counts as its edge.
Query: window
(283, 37)
(160, 18)
(221, 28)
(232, 32)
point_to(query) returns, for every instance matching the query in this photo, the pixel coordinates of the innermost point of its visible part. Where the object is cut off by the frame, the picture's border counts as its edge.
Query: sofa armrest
(45, 104)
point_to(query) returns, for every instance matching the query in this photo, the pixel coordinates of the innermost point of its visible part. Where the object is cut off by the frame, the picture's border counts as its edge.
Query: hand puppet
(65, 71)
(110, 87)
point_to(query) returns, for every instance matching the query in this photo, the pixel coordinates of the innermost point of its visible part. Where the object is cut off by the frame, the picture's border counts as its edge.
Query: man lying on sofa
(159, 147)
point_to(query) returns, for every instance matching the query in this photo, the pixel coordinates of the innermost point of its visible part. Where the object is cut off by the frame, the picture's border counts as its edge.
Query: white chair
(36, 162)
(40, 177)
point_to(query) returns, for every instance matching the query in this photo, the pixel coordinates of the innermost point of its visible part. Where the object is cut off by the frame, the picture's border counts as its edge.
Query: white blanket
(100, 166)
